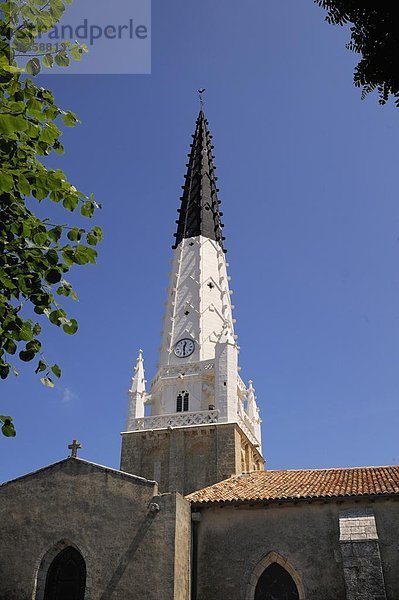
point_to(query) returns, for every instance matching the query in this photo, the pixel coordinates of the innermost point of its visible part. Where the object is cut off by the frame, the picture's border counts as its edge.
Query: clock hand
(184, 348)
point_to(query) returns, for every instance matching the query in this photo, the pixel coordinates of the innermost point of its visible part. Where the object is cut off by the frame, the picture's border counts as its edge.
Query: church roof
(288, 485)
(199, 212)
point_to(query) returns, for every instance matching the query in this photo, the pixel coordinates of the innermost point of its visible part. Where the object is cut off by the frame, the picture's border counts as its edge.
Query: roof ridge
(320, 469)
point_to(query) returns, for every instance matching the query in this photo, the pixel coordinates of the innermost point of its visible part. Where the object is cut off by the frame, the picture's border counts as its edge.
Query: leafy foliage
(374, 35)
(7, 427)
(35, 254)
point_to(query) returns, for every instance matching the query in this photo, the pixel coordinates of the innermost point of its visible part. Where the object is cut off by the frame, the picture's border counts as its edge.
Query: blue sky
(308, 179)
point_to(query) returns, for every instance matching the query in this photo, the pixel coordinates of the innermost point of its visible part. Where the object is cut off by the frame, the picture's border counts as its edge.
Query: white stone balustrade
(181, 419)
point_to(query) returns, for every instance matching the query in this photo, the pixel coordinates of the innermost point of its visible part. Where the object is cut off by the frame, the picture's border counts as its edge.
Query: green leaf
(7, 428)
(70, 119)
(33, 66)
(55, 233)
(34, 346)
(70, 202)
(58, 147)
(24, 185)
(62, 58)
(94, 236)
(40, 193)
(53, 276)
(50, 133)
(47, 381)
(55, 316)
(10, 346)
(40, 238)
(75, 234)
(71, 327)
(4, 370)
(57, 9)
(26, 355)
(68, 254)
(25, 333)
(87, 209)
(6, 182)
(84, 255)
(9, 124)
(36, 329)
(48, 60)
(65, 289)
(41, 366)
(56, 370)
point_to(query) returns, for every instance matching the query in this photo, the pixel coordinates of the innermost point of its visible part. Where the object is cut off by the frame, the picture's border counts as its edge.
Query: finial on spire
(201, 99)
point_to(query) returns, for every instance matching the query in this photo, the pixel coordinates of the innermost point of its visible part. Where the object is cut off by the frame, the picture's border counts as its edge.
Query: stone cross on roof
(74, 447)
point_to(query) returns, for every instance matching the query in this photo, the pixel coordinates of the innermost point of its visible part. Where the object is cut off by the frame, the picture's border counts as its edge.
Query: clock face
(184, 348)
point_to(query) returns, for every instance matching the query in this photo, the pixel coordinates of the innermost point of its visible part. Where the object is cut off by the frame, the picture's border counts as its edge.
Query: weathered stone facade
(134, 541)
(236, 544)
(138, 542)
(185, 459)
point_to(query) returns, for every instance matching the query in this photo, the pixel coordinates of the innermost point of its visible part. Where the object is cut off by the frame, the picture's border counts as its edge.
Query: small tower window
(182, 402)
(179, 403)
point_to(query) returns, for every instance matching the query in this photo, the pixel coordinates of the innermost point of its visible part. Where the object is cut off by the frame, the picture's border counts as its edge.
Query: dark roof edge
(291, 500)
(134, 478)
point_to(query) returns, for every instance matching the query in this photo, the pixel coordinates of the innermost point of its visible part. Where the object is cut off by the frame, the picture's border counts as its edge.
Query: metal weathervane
(201, 99)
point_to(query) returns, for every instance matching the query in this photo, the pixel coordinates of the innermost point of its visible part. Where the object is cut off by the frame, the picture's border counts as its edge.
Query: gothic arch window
(182, 402)
(274, 578)
(66, 576)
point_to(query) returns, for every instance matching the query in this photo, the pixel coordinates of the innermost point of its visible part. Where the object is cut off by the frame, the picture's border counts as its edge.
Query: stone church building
(192, 514)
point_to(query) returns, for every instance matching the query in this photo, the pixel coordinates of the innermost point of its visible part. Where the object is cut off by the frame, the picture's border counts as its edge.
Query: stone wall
(128, 534)
(236, 543)
(361, 558)
(186, 459)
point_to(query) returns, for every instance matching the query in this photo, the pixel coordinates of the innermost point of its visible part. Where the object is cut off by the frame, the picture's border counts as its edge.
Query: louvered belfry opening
(276, 583)
(66, 577)
(199, 212)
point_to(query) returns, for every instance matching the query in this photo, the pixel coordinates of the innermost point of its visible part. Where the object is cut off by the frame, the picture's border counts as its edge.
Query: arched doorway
(276, 583)
(66, 576)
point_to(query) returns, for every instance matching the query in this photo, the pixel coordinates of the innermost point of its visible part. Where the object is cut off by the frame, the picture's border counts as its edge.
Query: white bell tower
(197, 383)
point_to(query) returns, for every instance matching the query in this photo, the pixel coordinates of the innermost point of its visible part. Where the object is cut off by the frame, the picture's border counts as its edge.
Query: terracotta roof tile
(307, 483)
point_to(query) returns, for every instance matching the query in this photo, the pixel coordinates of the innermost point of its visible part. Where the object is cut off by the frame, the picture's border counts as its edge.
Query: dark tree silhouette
(374, 35)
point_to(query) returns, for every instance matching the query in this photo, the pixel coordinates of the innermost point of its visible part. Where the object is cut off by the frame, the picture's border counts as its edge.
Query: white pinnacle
(137, 393)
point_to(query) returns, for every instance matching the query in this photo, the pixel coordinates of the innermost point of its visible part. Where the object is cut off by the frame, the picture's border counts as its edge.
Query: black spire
(199, 211)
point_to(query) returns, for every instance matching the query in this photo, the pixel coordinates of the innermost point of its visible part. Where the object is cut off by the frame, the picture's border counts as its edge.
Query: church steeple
(199, 213)
(204, 423)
